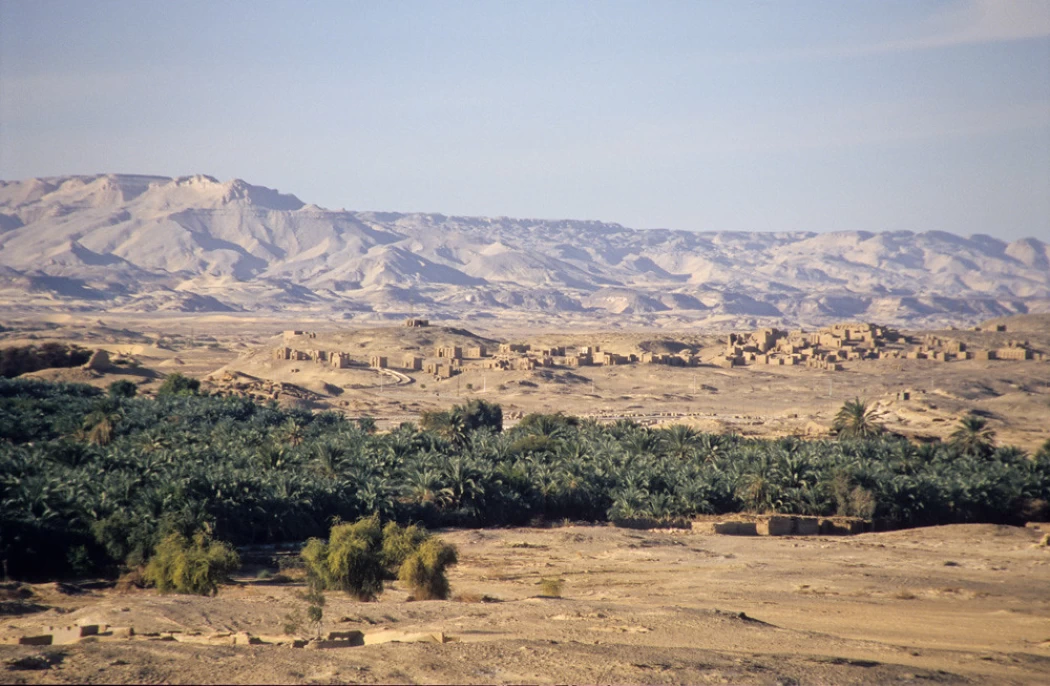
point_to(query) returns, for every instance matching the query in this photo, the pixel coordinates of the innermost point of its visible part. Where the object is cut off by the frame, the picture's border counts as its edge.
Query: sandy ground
(952, 604)
(755, 400)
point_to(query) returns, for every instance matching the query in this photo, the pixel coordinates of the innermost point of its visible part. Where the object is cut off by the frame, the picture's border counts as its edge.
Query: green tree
(680, 441)
(178, 384)
(856, 419)
(478, 414)
(194, 565)
(423, 571)
(350, 561)
(973, 436)
(122, 389)
(100, 426)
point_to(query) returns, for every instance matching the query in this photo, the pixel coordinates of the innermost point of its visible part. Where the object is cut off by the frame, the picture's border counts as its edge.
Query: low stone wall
(783, 525)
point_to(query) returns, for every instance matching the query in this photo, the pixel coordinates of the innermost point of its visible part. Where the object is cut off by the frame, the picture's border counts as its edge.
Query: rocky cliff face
(144, 243)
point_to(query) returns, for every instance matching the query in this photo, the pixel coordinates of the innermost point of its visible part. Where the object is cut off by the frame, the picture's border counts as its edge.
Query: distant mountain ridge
(148, 243)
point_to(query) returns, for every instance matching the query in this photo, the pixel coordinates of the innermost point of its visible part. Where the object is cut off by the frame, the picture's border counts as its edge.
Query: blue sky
(762, 116)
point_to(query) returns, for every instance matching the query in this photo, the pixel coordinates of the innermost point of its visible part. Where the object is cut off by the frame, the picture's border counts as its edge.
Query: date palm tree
(680, 441)
(973, 436)
(856, 419)
(100, 425)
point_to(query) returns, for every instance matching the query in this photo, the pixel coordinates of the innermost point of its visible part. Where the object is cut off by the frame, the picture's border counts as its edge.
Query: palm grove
(94, 482)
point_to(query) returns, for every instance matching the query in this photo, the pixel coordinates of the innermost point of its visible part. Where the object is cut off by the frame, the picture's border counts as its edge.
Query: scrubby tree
(196, 565)
(400, 542)
(350, 561)
(122, 389)
(178, 384)
(423, 571)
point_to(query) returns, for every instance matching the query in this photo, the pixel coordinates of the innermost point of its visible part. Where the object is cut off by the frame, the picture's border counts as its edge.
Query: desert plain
(575, 601)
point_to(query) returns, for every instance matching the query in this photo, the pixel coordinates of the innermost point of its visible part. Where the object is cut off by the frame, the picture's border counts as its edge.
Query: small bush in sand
(550, 588)
(424, 570)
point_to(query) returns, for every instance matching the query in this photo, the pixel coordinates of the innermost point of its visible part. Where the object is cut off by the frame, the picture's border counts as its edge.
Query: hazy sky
(763, 116)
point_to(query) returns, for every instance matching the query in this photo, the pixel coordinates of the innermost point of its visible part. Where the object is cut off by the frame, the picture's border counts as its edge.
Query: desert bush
(122, 389)
(399, 542)
(550, 588)
(194, 566)
(423, 571)
(350, 561)
(178, 384)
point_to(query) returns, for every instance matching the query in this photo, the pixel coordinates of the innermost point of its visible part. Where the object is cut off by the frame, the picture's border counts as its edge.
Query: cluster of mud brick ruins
(829, 348)
(825, 349)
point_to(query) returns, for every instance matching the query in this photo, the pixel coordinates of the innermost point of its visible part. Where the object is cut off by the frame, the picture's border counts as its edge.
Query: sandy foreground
(951, 604)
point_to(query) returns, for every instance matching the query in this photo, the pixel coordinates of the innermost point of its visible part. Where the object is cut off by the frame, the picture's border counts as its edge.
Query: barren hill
(148, 243)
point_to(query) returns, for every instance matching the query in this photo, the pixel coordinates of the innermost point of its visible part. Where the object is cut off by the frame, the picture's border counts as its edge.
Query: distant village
(825, 349)
(828, 348)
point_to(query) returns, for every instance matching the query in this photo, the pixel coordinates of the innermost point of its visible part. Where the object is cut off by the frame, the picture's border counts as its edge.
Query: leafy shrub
(122, 389)
(350, 561)
(178, 384)
(399, 542)
(183, 565)
(424, 570)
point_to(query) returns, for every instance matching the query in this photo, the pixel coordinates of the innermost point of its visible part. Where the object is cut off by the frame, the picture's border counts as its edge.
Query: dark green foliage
(973, 436)
(856, 420)
(17, 360)
(194, 565)
(72, 502)
(122, 389)
(478, 414)
(177, 384)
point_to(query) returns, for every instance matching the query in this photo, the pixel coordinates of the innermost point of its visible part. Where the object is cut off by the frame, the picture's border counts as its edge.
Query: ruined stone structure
(377, 362)
(825, 349)
(416, 323)
(828, 348)
(412, 363)
(449, 352)
(438, 369)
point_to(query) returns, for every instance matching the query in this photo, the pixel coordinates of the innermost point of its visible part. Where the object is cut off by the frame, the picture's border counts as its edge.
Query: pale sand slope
(953, 604)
